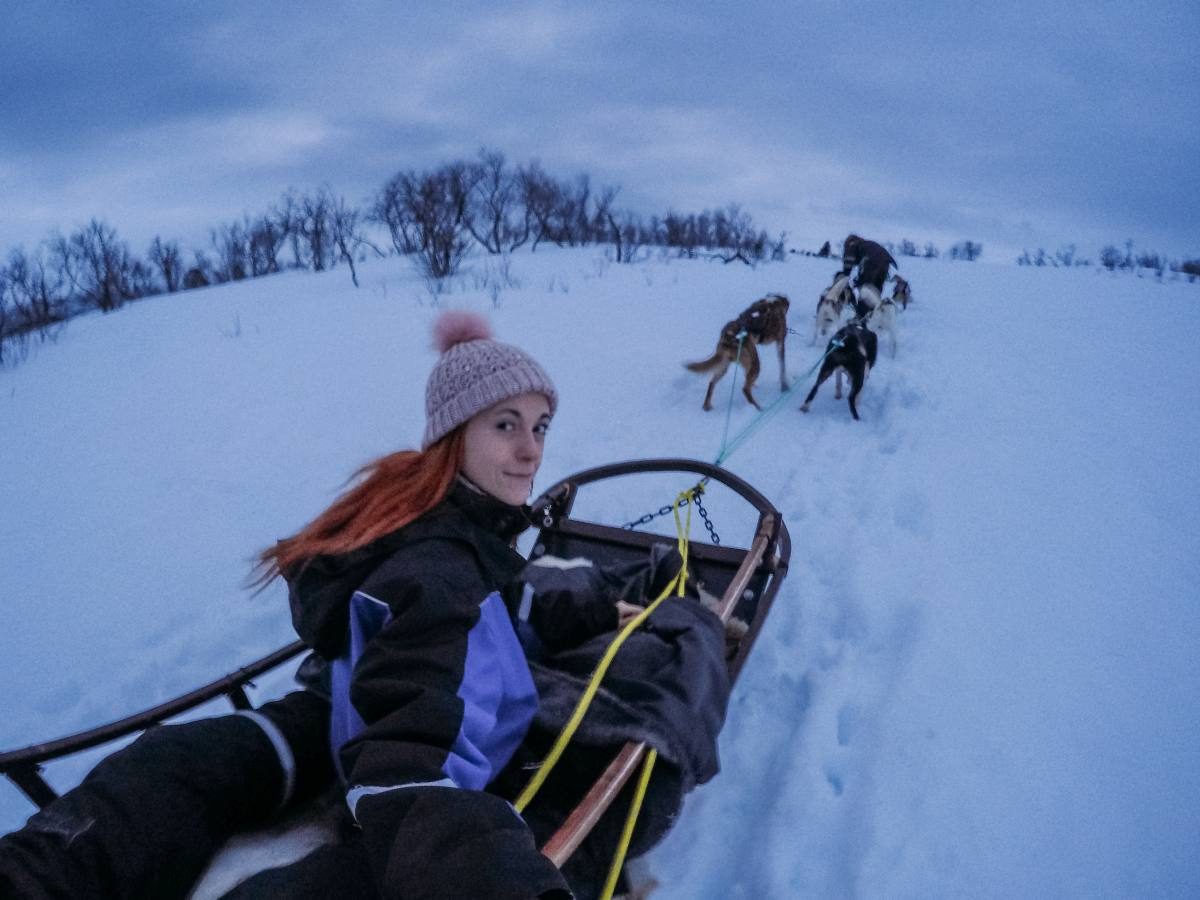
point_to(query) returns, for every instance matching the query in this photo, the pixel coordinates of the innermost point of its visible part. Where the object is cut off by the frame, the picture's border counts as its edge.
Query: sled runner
(740, 583)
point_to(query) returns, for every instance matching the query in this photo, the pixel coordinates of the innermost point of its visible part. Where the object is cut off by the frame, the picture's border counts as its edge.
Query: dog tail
(706, 365)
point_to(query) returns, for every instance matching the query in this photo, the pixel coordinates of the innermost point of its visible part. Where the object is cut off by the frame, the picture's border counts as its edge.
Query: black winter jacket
(431, 696)
(873, 260)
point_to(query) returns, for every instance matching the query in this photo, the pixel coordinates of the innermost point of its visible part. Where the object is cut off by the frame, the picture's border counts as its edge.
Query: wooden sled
(744, 579)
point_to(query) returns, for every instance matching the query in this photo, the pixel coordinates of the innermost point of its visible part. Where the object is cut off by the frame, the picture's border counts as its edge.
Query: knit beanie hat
(475, 372)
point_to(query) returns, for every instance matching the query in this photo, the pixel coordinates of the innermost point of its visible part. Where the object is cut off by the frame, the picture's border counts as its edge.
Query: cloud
(812, 116)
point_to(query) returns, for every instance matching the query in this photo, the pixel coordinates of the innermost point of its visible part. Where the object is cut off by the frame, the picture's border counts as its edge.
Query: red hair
(391, 492)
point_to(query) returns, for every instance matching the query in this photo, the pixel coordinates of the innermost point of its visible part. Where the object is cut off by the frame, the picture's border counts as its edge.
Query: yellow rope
(635, 807)
(678, 583)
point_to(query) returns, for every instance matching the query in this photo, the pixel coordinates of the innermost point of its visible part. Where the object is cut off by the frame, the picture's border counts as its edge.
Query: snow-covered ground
(979, 678)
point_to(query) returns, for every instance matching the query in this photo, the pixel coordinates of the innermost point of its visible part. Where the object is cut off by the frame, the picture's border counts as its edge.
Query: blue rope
(727, 447)
(737, 364)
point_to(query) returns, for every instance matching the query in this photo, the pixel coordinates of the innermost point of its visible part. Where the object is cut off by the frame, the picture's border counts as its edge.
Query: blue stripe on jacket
(497, 691)
(499, 699)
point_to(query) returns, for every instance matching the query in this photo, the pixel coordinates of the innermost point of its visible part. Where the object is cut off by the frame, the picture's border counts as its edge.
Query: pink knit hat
(475, 372)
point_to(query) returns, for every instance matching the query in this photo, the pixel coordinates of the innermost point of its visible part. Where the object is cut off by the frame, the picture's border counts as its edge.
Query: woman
(397, 586)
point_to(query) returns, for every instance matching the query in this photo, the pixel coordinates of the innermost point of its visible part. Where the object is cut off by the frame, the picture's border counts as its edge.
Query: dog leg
(858, 381)
(783, 382)
(751, 364)
(717, 375)
(837, 385)
(855, 388)
(821, 376)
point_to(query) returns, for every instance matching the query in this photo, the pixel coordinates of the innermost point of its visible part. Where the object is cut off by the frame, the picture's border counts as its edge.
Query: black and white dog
(883, 320)
(852, 349)
(829, 307)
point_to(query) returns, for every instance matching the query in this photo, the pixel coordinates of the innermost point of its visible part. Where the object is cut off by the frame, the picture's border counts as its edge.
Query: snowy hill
(979, 678)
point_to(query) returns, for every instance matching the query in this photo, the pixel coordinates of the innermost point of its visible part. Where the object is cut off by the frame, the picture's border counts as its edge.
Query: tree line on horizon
(437, 216)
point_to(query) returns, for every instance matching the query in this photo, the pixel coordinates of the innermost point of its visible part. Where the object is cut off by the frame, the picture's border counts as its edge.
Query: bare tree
(390, 209)
(315, 229)
(493, 202)
(541, 198)
(287, 215)
(426, 214)
(37, 290)
(98, 266)
(345, 233)
(968, 250)
(12, 342)
(557, 212)
(231, 243)
(265, 238)
(167, 259)
(573, 220)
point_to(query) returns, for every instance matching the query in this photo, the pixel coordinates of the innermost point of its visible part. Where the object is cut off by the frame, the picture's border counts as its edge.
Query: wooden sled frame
(745, 579)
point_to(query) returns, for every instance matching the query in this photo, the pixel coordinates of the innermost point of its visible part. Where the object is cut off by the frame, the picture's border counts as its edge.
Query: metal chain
(712, 533)
(698, 489)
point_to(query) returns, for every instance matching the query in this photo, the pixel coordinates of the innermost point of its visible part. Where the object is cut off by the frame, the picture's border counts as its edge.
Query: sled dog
(852, 349)
(829, 307)
(763, 322)
(867, 302)
(901, 292)
(884, 320)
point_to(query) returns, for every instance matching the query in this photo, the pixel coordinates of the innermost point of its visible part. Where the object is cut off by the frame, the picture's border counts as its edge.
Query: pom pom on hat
(458, 327)
(475, 372)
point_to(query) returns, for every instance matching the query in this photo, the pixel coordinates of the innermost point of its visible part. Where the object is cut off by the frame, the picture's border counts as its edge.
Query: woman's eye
(505, 426)
(541, 428)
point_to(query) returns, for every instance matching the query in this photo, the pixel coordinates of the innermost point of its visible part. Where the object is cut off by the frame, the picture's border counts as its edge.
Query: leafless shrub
(99, 268)
(265, 238)
(34, 301)
(495, 216)
(425, 214)
(968, 250)
(231, 243)
(346, 233)
(167, 259)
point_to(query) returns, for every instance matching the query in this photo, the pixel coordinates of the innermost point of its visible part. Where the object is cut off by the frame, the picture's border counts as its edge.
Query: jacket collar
(500, 518)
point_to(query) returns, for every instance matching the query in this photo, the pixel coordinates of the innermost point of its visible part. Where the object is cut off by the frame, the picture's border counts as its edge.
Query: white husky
(884, 320)
(829, 308)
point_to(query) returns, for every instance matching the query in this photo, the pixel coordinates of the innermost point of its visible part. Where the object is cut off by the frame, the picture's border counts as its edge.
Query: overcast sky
(1020, 126)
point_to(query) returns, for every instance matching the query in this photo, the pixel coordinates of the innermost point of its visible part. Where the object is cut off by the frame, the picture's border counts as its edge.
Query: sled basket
(745, 580)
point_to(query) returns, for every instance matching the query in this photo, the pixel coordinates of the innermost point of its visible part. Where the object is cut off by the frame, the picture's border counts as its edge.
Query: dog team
(851, 350)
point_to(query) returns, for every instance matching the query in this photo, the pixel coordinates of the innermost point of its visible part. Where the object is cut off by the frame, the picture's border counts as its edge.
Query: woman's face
(503, 446)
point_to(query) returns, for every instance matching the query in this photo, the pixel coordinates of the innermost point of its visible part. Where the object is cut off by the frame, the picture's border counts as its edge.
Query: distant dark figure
(872, 260)
(825, 249)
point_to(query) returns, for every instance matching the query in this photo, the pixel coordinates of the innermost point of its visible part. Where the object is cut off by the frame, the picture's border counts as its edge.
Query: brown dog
(763, 322)
(901, 292)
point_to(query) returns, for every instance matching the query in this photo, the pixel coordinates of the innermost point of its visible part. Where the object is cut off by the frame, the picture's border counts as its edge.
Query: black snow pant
(146, 820)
